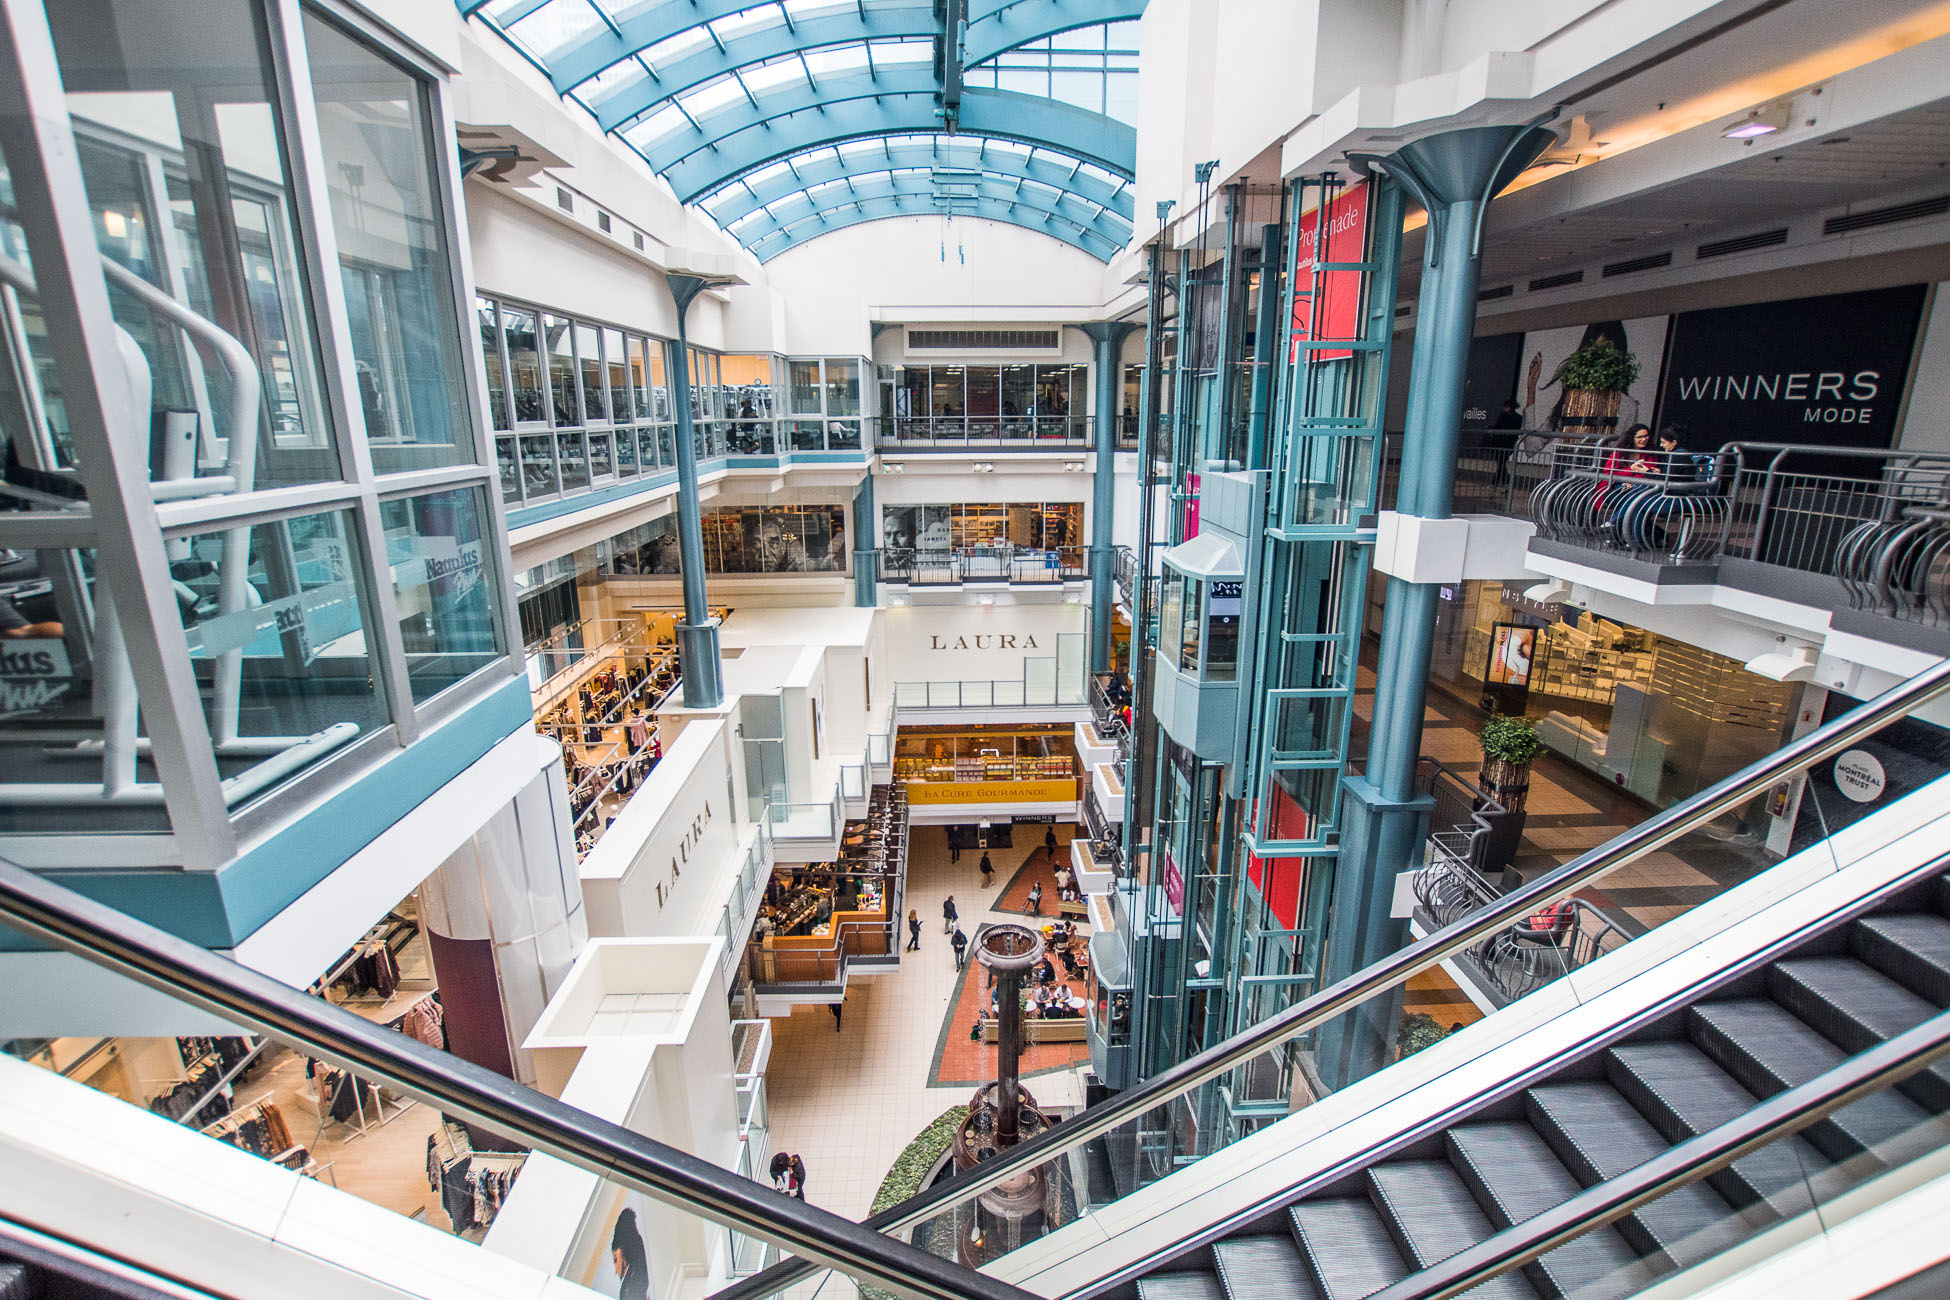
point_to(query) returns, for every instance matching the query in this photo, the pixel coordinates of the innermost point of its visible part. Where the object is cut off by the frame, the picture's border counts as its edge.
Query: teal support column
(1384, 822)
(1107, 358)
(866, 545)
(697, 635)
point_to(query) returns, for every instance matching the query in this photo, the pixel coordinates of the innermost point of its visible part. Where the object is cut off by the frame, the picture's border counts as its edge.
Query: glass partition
(443, 581)
(376, 130)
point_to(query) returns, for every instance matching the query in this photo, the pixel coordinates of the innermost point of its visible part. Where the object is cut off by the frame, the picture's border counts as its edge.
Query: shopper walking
(834, 1007)
(961, 948)
(1036, 899)
(954, 845)
(949, 916)
(799, 1177)
(1049, 843)
(914, 931)
(988, 870)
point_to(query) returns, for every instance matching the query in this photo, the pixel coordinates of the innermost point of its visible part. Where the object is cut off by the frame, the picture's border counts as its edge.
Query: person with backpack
(960, 942)
(949, 916)
(988, 869)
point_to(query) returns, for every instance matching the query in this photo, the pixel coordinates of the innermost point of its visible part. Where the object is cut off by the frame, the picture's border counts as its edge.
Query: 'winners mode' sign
(1811, 370)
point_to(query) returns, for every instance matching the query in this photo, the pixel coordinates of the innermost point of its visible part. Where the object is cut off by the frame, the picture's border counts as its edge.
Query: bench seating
(1064, 1030)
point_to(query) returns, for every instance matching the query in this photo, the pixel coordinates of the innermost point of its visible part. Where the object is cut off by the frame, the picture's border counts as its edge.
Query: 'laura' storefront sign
(1809, 370)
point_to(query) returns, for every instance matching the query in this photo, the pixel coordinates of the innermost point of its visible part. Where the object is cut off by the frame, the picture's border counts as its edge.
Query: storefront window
(602, 460)
(538, 476)
(589, 356)
(562, 371)
(375, 126)
(488, 317)
(443, 580)
(626, 452)
(949, 399)
(803, 387)
(775, 539)
(575, 460)
(184, 161)
(507, 461)
(1033, 526)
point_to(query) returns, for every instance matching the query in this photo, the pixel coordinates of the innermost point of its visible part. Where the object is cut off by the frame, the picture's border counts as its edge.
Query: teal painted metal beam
(697, 635)
(708, 64)
(1088, 218)
(866, 545)
(998, 25)
(855, 213)
(1107, 358)
(957, 153)
(743, 136)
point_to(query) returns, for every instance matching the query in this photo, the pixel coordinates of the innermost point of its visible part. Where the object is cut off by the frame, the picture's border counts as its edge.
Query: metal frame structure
(133, 524)
(712, 92)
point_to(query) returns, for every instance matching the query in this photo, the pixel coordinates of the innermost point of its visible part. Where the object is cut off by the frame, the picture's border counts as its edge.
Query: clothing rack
(360, 1120)
(472, 1183)
(243, 1064)
(263, 1112)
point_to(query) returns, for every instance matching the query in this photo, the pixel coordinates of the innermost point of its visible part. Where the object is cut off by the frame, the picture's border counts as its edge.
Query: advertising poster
(1490, 379)
(1541, 398)
(1339, 308)
(1828, 370)
(1512, 646)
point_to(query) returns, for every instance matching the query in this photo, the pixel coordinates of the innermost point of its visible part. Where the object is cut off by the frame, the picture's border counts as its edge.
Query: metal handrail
(1779, 1116)
(182, 970)
(1662, 828)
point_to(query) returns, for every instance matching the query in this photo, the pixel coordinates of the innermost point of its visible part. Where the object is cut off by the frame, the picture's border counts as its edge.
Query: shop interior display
(985, 754)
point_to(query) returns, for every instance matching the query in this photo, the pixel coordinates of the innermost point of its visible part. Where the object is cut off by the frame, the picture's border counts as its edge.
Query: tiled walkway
(848, 1102)
(1571, 812)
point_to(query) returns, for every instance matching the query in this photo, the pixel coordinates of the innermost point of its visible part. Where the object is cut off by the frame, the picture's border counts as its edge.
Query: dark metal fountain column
(697, 635)
(1002, 1113)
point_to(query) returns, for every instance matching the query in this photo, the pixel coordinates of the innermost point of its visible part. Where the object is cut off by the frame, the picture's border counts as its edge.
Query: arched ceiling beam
(943, 153)
(882, 209)
(743, 136)
(1112, 231)
(998, 25)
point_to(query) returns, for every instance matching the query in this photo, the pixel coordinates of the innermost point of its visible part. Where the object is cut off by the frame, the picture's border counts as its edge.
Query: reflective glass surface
(444, 582)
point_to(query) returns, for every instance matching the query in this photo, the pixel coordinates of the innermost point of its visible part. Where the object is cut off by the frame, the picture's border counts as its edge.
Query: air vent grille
(1403, 310)
(1841, 225)
(1501, 291)
(1651, 263)
(983, 340)
(1557, 281)
(1741, 243)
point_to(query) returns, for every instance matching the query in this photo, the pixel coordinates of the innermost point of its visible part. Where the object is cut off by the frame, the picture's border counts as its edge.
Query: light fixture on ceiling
(1765, 120)
(988, 600)
(1073, 466)
(983, 467)
(894, 466)
(1793, 662)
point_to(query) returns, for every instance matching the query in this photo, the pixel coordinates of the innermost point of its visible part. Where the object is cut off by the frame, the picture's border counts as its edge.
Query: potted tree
(1594, 380)
(1510, 745)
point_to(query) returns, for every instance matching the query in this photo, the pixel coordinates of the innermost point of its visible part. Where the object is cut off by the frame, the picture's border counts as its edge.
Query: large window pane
(524, 366)
(375, 125)
(626, 452)
(660, 408)
(507, 461)
(567, 404)
(842, 387)
(488, 315)
(601, 457)
(617, 368)
(443, 578)
(589, 352)
(948, 398)
(181, 153)
(285, 652)
(538, 478)
(803, 387)
(575, 461)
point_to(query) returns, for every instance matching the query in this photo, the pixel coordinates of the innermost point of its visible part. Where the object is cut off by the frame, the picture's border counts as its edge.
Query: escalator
(1857, 984)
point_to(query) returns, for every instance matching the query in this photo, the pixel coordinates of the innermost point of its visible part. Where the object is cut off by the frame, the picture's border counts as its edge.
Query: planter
(1507, 782)
(1587, 410)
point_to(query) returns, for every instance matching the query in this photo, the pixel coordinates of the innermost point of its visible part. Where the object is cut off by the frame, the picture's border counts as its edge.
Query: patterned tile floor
(848, 1102)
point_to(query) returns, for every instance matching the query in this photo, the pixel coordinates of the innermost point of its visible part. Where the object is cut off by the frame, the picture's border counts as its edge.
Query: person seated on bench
(1545, 925)
(1045, 972)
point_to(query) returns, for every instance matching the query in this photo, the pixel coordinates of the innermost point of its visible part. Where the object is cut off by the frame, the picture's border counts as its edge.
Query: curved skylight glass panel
(715, 94)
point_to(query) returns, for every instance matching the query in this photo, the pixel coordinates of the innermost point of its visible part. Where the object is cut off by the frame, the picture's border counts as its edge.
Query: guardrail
(1555, 940)
(984, 432)
(948, 567)
(1106, 711)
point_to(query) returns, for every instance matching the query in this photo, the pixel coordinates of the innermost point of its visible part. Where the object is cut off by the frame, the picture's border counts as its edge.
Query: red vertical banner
(1191, 506)
(1279, 880)
(1339, 309)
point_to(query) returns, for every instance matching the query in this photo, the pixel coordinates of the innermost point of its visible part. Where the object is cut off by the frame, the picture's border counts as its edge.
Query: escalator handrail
(1776, 1117)
(1825, 742)
(182, 970)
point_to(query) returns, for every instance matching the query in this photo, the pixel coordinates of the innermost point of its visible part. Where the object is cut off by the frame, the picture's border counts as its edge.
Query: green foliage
(1512, 739)
(1417, 1031)
(909, 1174)
(1599, 367)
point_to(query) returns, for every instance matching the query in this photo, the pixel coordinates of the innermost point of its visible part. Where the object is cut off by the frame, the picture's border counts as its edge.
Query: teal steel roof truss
(712, 91)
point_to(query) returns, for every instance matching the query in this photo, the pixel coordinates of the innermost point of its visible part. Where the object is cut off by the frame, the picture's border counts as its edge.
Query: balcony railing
(1106, 707)
(1551, 942)
(1125, 574)
(1877, 522)
(1001, 563)
(984, 432)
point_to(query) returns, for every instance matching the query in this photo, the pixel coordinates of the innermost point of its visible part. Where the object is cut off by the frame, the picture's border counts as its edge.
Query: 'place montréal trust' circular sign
(1859, 776)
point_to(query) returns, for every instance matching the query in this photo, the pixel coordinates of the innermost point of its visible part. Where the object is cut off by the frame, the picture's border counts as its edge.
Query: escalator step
(1347, 1246)
(1913, 949)
(1857, 1006)
(1762, 1045)
(1515, 1176)
(1433, 1216)
(1684, 1094)
(1598, 1135)
(1199, 1285)
(1267, 1267)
